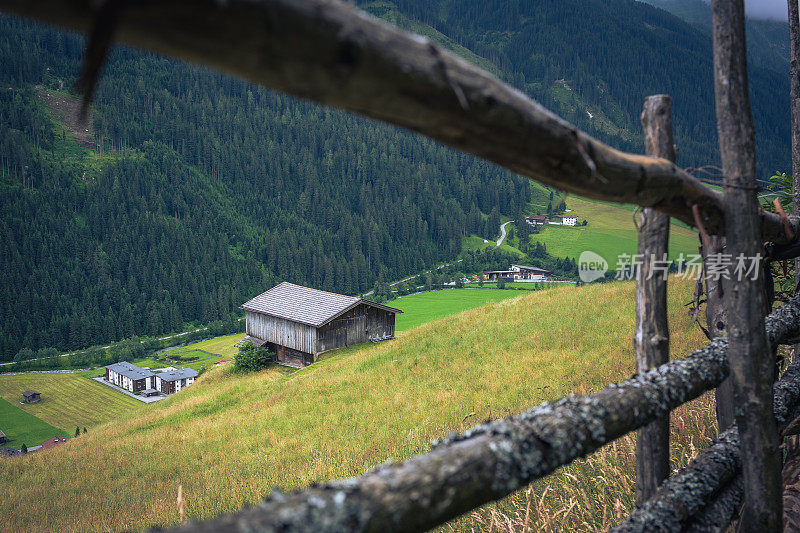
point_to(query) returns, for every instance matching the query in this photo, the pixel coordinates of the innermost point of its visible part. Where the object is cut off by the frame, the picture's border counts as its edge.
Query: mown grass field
(24, 428)
(231, 438)
(68, 400)
(610, 232)
(433, 305)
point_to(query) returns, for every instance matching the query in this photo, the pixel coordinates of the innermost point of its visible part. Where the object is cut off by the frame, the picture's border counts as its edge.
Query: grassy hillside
(231, 438)
(68, 400)
(24, 428)
(610, 232)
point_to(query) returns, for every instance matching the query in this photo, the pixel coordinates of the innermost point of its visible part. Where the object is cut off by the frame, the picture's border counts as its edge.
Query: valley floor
(230, 438)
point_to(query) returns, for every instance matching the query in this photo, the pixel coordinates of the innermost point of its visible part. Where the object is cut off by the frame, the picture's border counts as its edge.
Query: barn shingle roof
(308, 306)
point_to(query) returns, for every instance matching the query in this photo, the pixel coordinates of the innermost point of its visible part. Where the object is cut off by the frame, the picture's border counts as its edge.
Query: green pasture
(24, 428)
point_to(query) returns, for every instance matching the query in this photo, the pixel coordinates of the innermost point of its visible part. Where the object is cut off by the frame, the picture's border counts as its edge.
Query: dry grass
(596, 493)
(229, 439)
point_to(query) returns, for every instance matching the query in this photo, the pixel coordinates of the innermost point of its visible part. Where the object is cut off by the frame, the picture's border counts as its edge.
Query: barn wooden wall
(357, 325)
(281, 331)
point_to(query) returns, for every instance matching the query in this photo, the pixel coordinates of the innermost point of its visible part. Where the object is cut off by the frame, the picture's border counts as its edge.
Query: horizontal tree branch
(718, 514)
(496, 458)
(332, 53)
(701, 485)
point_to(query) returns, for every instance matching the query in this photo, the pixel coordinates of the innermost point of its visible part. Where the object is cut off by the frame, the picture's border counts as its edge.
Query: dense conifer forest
(594, 61)
(201, 191)
(194, 191)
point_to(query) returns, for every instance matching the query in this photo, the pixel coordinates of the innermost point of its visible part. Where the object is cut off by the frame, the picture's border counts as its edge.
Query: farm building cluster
(298, 323)
(569, 219)
(146, 382)
(522, 273)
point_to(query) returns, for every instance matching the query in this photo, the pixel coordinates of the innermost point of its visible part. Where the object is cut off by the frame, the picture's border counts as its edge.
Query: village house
(537, 220)
(130, 377)
(3, 438)
(529, 273)
(566, 220)
(135, 379)
(298, 323)
(174, 380)
(31, 396)
(522, 273)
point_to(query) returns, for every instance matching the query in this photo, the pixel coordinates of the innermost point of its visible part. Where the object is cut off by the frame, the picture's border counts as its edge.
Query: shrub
(251, 357)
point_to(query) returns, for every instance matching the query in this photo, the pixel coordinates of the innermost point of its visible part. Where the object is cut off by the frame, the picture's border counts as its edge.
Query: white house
(130, 377)
(518, 273)
(569, 220)
(537, 220)
(174, 380)
(135, 379)
(528, 273)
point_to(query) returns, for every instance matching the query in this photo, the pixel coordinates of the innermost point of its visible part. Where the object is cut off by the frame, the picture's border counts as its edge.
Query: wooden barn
(299, 323)
(31, 396)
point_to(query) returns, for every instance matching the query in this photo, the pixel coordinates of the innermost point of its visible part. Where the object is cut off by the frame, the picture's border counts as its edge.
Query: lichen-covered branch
(330, 52)
(716, 517)
(697, 488)
(495, 458)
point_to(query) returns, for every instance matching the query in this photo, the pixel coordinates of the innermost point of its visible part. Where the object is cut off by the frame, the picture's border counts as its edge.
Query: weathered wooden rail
(330, 52)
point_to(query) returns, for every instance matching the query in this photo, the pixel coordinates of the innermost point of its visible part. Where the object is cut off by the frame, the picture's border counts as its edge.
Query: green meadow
(428, 306)
(609, 233)
(22, 427)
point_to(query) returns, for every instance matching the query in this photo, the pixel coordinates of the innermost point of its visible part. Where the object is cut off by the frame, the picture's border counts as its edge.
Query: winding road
(502, 233)
(497, 245)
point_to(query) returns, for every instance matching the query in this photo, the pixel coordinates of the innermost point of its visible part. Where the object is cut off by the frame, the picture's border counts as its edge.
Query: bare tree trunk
(794, 96)
(651, 341)
(749, 354)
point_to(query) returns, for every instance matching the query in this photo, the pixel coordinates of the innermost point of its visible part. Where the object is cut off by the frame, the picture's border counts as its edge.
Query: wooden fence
(330, 52)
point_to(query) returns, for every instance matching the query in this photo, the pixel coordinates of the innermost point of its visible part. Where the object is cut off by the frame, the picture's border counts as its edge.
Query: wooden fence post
(716, 319)
(749, 355)
(651, 341)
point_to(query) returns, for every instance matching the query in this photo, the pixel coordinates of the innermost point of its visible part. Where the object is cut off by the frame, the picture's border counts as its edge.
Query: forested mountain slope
(200, 191)
(196, 190)
(767, 40)
(594, 62)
